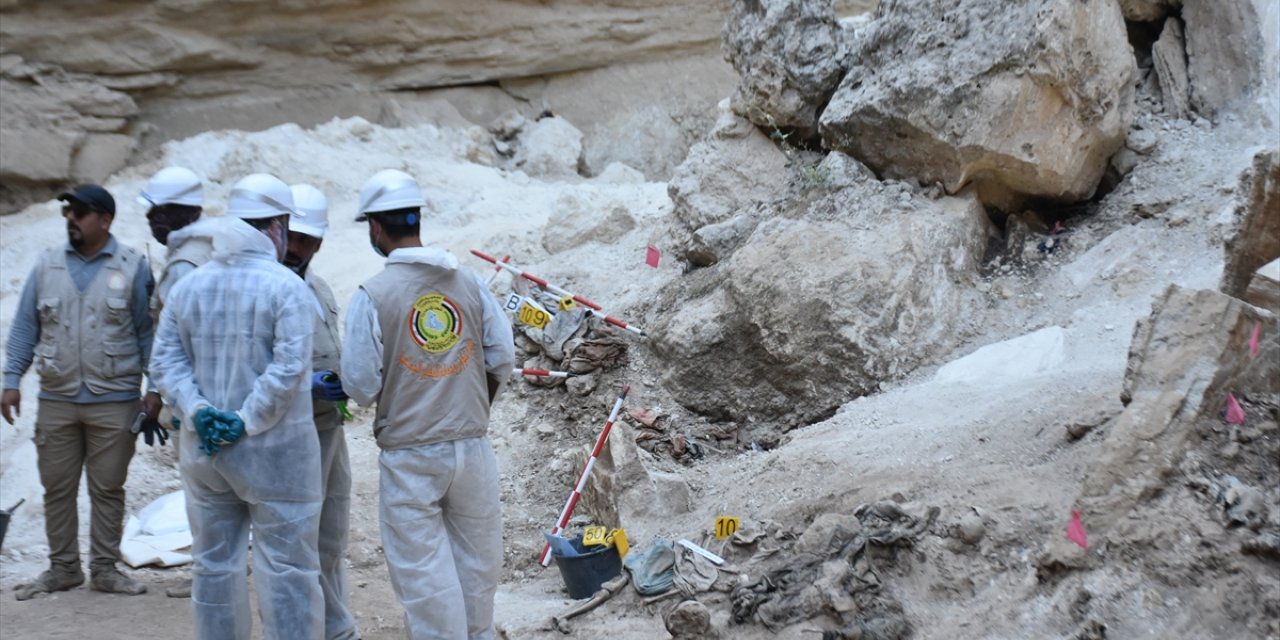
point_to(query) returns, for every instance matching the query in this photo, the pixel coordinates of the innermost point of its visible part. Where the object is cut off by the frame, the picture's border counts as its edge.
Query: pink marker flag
(1253, 339)
(1075, 531)
(1235, 414)
(651, 257)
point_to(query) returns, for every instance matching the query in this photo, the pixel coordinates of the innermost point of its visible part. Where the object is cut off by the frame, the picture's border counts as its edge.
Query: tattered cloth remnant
(839, 582)
(597, 352)
(694, 573)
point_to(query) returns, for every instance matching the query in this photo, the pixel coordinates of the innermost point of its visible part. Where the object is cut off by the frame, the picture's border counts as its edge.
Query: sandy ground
(983, 433)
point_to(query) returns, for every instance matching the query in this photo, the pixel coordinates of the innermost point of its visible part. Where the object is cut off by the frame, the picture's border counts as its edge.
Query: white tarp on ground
(159, 534)
(1027, 356)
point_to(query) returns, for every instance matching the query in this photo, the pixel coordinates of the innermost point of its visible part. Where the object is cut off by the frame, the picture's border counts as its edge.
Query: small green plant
(806, 174)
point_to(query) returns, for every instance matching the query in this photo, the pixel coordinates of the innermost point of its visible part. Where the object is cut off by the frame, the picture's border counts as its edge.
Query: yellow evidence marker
(532, 314)
(567, 303)
(618, 538)
(726, 526)
(592, 536)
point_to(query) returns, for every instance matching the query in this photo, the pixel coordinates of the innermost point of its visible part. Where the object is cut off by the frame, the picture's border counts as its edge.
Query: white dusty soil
(985, 432)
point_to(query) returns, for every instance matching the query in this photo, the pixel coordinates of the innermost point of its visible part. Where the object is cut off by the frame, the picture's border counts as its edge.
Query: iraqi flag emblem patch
(435, 322)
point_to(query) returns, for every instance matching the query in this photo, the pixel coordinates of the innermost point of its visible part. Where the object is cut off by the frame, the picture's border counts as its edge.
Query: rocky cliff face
(86, 84)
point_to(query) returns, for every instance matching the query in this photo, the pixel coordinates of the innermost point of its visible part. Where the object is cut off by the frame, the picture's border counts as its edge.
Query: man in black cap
(83, 318)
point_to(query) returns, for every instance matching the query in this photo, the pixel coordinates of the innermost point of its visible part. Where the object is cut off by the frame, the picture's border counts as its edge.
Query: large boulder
(829, 296)
(1226, 50)
(1017, 98)
(549, 148)
(789, 56)
(734, 169)
(1184, 359)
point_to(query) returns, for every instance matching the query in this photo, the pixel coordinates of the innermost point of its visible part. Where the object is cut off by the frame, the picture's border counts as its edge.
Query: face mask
(375, 246)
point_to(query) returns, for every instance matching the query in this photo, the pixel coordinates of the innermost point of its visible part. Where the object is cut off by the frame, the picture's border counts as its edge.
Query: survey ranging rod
(594, 308)
(545, 558)
(543, 373)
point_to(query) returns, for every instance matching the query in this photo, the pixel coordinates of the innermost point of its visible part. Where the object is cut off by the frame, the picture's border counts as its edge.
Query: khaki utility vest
(87, 337)
(433, 385)
(325, 349)
(196, 251)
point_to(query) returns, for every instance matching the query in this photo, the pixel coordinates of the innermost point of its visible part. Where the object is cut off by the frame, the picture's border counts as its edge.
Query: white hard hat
(389, 190)
(173, 185)
(260, 196)
(314, 209)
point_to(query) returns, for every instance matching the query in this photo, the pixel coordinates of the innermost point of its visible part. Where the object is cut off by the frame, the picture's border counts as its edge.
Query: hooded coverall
(421, 338)
(236, 335)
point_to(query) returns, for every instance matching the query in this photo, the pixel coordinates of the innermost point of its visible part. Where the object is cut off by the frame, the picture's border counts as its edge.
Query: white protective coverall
(439, 494)
(236, 334)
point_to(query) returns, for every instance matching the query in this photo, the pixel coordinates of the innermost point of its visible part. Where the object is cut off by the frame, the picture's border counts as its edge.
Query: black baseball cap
(93, 196)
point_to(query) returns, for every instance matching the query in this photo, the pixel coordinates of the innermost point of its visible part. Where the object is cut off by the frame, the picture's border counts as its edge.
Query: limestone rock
(1257, 238)
(127, 46)
(100, 155)
(1264, 288)
(690, 620)
(573, 225)
(971, 528)
(1183, 359)
(33, 155)
(1225, 50)
(1147, 10)
(879, 272)
(1170, 57)
(643, 113)
(1017, 98)
(550, 147)
(733, 169)
(789, 56)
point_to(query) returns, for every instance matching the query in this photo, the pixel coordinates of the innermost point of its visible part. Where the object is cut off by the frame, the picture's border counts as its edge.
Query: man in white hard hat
(233, 359)
(82, 319)
(306, 234)
(174, 198)
(430, 345)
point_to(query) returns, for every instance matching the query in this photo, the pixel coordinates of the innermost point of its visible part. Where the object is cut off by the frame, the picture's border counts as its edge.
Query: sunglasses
(77, 209)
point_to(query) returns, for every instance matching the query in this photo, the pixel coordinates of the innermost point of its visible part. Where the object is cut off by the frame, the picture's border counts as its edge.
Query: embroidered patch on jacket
(117, 282)
(435, 322)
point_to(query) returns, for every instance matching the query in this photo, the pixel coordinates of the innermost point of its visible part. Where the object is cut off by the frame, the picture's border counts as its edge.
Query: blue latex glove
(205, 428)
(217, 429)
(325, 385)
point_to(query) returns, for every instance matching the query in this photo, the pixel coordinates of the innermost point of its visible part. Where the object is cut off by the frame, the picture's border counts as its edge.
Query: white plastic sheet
(159, 534)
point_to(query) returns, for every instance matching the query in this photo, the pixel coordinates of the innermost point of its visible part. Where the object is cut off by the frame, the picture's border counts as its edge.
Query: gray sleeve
(143, 284)
(23, 334)
(172, 275)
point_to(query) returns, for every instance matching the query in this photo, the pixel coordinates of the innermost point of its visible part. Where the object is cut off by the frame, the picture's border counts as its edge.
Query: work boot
(179, 591)
(110, 580)
(51, 580)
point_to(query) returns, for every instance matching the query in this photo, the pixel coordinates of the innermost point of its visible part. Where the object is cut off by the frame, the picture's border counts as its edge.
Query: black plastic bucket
(4, 518)
(583, 575)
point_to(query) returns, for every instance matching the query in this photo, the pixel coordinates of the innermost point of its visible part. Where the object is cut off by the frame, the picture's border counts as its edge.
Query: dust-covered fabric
(838, 580)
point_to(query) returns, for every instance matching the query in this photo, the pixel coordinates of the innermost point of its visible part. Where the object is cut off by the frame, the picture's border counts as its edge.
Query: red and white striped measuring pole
(545, 558)
(496, 271)
(544, 373)
(595, 308)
